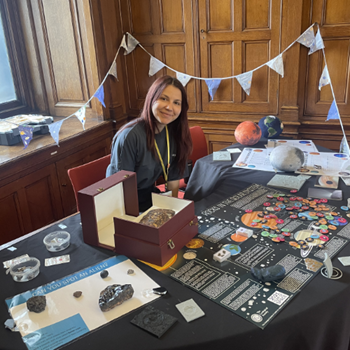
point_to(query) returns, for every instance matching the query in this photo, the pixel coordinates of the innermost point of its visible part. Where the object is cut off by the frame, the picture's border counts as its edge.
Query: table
(318, 318)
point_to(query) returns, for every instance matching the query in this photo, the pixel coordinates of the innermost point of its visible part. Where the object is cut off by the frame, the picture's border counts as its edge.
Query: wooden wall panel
(256, 14)
(220, 15)
(172, 16)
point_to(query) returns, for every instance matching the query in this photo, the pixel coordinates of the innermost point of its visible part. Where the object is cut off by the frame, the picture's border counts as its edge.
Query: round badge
(254, 224)
(248, 210)
(293, 216)
(301, 242)
(324, 231)
(342, 220)
(266, 204)
(293, 191)
(269, 196)
(345, 208)
(332, 227)
(265, 234)
(309, 239)
(256, 220)
(324, 238)
(287, 234)
(293, 244)
(323, 227)
(275, 239)
(280, 221)
(304, 247)
(320, 246)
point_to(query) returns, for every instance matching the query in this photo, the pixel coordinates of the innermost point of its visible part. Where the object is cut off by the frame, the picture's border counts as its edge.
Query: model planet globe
(287, 158)
(270, 126)
(247, 133)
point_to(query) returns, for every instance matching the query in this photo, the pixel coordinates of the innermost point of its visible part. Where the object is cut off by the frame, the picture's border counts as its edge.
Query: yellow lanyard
(165, 171)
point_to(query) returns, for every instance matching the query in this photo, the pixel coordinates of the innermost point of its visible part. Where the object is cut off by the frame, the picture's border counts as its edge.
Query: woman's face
(167, 107)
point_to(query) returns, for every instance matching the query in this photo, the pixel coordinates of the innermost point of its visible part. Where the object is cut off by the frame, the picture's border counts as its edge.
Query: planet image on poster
(189, 255)
(232, 248)
(247, 133)
(195, 243)
(270, 126)
(328, 181)
(287, 158)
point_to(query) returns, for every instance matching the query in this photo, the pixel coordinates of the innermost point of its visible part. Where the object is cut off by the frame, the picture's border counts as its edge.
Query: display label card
(345, 260)
(221, 155)
(190, 310)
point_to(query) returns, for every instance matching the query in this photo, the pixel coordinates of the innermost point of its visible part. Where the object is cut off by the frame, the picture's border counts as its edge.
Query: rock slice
(114, 295)
(157, 217)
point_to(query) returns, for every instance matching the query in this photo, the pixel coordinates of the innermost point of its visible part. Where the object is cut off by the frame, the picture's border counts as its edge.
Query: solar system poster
(292, 232)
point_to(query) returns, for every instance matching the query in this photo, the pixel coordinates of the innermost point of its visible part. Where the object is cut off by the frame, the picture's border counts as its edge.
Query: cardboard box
(110, 219)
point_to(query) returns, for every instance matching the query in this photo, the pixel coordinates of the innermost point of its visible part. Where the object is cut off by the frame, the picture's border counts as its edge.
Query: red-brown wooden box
(110, 219)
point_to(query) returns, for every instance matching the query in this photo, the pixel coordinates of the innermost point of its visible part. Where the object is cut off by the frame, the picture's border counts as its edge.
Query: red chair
(200, 150)
(87, 174)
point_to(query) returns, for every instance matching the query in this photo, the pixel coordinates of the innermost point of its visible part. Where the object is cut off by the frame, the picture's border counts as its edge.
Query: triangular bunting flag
(154, 66)
(344, 146)
(81, 116)
(183, 78)
(123, 43)
(307, 38)
(26, 133)
(277, 65)
(100, 94)
(55, 130)
(324, 80)
(113, 70)
(213, 85)
(333, 112)
(132, 42)
(317, 43)
(245, 80)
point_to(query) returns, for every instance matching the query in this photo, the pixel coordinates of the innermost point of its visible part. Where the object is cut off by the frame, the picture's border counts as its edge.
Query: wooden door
(165, 30)
(236, 37)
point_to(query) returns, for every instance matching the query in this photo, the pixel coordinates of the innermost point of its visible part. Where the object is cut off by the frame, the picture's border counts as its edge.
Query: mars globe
(271, 126)
(247, 133)
(287, 158)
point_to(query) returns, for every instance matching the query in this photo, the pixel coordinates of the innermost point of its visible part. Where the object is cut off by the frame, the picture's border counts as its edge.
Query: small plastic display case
(57, 241)
(25, 270)
(9, 132)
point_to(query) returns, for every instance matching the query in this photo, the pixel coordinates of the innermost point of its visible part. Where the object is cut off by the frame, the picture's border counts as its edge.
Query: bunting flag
(183, 78)
(123, 43)
(132, 43)
(213, 85)
(324, 80)
(113, 70)
(344, 146)
(26, 133)
(54, 129)
(154, 66)
(245, 80)
(317, 44)
(100, 95)
(333, 112)
(81, 115)
(307, 38)
(277, 65)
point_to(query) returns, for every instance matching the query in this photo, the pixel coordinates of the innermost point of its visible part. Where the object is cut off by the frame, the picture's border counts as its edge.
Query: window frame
(18, 62)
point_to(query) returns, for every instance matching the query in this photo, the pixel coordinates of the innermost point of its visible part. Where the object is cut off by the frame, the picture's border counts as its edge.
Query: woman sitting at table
(157, 143)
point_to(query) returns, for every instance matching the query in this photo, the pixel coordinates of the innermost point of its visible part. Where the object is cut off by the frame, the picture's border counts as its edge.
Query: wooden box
(110, 219)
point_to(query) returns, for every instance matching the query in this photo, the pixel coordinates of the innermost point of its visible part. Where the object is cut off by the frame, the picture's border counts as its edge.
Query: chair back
(87, 174)
(200, 148)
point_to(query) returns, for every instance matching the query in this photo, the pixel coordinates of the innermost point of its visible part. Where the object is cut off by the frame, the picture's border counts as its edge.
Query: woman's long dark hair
(179, 127)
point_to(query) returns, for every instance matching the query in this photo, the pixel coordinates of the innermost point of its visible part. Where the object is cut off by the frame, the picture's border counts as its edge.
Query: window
(7, 87)
(15, 91)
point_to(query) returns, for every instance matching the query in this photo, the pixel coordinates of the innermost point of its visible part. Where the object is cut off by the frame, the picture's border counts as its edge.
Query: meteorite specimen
(77, 294)
(114, 295)
(157, 217)
(36, 304)
(104, 274)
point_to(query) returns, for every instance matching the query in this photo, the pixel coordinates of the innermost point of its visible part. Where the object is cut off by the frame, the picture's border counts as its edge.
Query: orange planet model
(248, 133)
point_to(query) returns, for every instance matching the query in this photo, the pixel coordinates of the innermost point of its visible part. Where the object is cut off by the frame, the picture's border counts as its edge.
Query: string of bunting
(129, 43)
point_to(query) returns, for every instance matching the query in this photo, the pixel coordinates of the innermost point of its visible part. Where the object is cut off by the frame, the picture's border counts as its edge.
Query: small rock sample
(36, 304)
(157, 217)
(130, 271)
(114, 295)
(77, 294)
(104, 274)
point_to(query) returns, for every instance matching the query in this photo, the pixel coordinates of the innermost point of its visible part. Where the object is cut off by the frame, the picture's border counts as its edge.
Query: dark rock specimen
(157, 217)
(36, 304)
(104, 274)
(114, 295)
(77, 294)
(266, 274)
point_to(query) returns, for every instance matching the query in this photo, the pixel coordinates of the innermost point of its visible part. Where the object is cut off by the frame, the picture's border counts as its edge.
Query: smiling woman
(157, 143)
